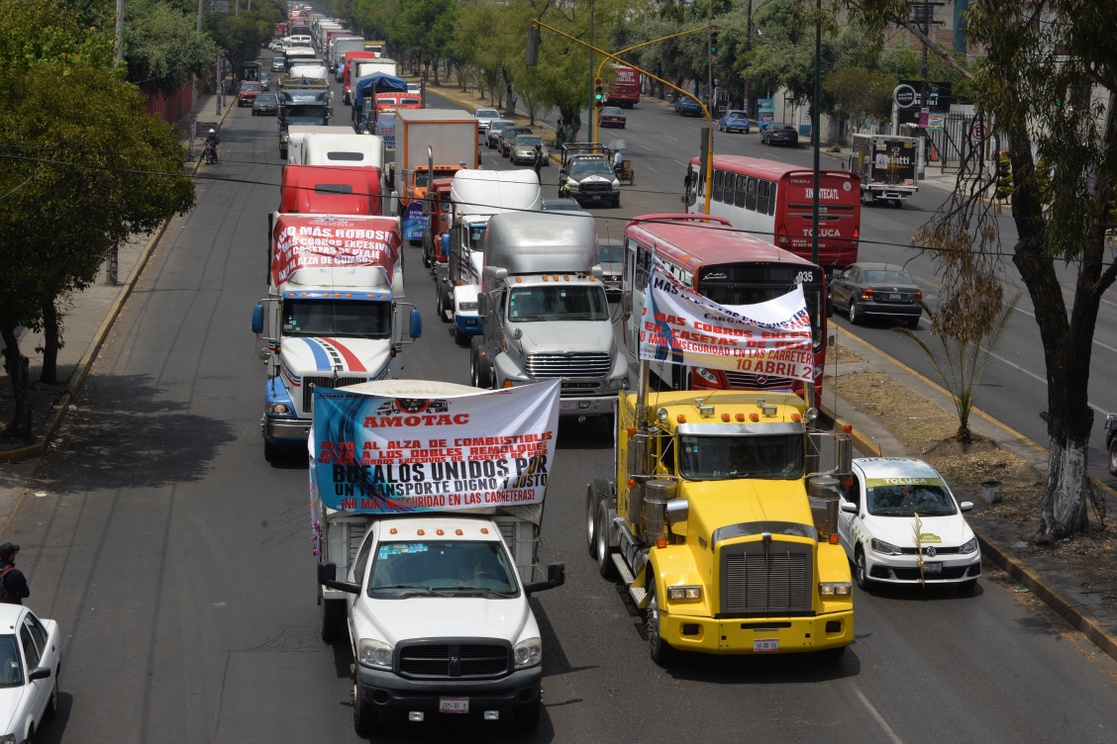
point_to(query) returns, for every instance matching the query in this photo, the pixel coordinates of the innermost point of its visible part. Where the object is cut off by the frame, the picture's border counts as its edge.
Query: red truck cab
(436, 206)
(329, 189)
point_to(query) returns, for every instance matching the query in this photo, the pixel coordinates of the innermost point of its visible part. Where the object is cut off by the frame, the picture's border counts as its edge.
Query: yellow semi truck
(723, 525)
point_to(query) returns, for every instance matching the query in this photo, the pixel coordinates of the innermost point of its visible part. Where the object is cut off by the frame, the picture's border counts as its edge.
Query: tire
(333, 620)
(602, 553)
(617, 203)
(461, 339)
(272, 452)
(913, 323)
(830, 655)
(479, 371)
(861, 571)
(525, 718)
(596, 492)
(854, 316)
(364, 714)
(51, 711)
(662, 652)
(1113, 456)
(967, 587)
(438, 305)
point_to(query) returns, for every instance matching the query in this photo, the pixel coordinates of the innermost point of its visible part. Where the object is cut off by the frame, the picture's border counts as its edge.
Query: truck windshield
(477, 237)
(558, 302)
(407, 568)
(298, 114)
(422, 177)
(342, 318)
(703, 458)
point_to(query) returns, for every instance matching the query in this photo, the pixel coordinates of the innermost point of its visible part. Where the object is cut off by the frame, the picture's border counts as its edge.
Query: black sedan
(778, 133)
(877, 290)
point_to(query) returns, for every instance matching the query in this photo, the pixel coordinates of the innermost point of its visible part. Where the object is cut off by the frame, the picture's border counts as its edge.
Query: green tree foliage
(859, 94)
(162, 47)
(84, 166)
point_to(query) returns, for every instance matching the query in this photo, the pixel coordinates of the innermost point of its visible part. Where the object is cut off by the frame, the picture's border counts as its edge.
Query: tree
(162, 47)
(1049, 82)
(84, 166)
(860, 94)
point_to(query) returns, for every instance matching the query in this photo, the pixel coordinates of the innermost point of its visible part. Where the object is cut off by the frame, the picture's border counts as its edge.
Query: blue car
(687, 107)
(734, 121)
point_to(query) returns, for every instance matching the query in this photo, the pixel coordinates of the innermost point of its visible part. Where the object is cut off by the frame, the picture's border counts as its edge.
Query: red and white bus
(773, 200)
(730, 267)
(625, 88)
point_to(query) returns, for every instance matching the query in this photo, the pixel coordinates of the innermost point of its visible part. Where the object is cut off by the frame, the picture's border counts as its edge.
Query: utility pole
(924, 93)
(816, 119)
(593, 106)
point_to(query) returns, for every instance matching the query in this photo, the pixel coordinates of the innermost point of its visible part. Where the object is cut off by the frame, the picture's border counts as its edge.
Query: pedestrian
(618, 162)
(537, 162)
(13, 584)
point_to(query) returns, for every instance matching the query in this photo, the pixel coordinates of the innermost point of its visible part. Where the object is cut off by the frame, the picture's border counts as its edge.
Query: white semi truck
(427, 544)
(332, 315)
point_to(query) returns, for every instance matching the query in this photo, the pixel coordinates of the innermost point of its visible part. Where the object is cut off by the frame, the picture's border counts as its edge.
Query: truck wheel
(1113, 456)
(364, 714)
(596, 492)
(525, 718)
(438, 305)
(661, 651)
(333, 620)
(461, 339)
(603, 553)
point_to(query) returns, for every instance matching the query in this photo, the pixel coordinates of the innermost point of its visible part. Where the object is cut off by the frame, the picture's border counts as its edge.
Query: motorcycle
(209, 151)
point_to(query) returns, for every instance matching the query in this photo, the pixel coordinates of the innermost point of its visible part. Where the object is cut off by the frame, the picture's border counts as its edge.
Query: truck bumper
(782, 635)
(597, 406)
(890, 193)
(287, 432)
(468, 325)
(387, 690)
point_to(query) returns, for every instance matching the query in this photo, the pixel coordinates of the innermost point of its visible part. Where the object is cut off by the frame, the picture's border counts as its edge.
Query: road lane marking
(878, 717)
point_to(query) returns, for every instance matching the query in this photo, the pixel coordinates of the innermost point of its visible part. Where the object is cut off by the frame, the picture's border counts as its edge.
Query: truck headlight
(834, 589)
(684, 593)
(471, 306)
(970, 546)
(528, 653)
(707, 375)
(373, 653)
(618, 384)
(278, 409)
(880, 546)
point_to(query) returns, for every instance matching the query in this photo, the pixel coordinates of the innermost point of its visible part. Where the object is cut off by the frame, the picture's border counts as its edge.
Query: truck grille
(568, 365)
(309, 383)
(477, 660)
(744, 381)
(595, 187)
(759, 583)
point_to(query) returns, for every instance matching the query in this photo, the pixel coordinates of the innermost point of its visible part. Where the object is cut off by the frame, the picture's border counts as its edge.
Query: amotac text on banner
(680, 326)
(377, 454)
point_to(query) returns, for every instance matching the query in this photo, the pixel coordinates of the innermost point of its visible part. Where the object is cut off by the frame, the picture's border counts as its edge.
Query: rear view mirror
(482, 306)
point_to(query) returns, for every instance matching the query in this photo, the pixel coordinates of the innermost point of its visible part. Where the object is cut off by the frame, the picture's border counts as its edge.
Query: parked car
(610, 252)
(265, 83)
(246, 94)
(779, 133)
(877, 290)
(687, 107)
(899, 523)
(279, 64)
(508, 135)
(492, 135)
(265, 104)
(30, 657)
(1111, 441)
(523, 149)
(484, 117)
(734, 121)
(611, 116)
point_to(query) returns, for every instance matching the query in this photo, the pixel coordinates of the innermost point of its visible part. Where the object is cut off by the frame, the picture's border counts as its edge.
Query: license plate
(453, 705)
(932, 568)
(895, 297)
(765, 645)
(567, 405)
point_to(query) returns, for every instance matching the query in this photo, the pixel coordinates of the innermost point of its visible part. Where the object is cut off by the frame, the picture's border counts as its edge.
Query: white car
(900, 524)
(484, 116)
(30, 659)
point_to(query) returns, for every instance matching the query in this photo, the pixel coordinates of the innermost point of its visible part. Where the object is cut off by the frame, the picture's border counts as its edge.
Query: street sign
(979, 132)
(924, 117)
(904, 95)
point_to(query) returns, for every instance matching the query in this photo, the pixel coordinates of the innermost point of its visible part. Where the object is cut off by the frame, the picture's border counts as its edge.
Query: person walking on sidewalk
(13, 584)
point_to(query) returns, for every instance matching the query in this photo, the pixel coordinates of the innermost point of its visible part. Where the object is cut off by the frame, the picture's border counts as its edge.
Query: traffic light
(598, 93)
(713, 40)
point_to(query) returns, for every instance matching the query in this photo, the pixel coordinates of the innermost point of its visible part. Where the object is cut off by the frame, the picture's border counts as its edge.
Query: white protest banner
(331, 241)
(378, 454)
(680, 326)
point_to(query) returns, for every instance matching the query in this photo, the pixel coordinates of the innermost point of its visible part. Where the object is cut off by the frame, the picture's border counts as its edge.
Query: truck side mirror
(327, 572)
(556, 576)
(482, 306)
(416, 329)
(258, 319)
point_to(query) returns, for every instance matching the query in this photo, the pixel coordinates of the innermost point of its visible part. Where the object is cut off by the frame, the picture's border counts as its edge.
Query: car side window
(30, 650)
(362, 560)
(38, 631)
(852, 492)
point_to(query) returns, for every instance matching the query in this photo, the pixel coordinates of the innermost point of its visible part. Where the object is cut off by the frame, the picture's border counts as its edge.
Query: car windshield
(723, 458)
(265, 98)
(611, 111)
(887, 277)
(561, 302)
(11, 670)
(250, 86)
(610, 252)
(926, 500)
(487, 113)
(531, 141)
(441, 568)
(352, 319)
(496, 126)
(590, 165)
(735, 115)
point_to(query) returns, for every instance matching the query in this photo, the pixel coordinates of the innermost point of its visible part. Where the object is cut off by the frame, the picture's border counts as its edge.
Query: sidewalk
(92, 313)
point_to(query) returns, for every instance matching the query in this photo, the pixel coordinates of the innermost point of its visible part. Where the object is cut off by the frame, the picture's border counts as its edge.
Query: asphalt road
(178, 562)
